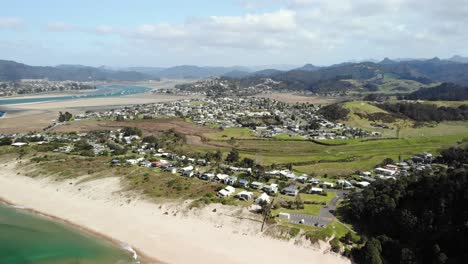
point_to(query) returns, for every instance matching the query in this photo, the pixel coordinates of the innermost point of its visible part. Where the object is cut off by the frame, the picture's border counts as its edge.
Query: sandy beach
(36, 116)
(167, 233)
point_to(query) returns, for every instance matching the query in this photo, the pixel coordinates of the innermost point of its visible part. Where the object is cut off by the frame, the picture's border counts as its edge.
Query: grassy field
(309, 157)
(358, 108)
(288, 137)
(228, 133)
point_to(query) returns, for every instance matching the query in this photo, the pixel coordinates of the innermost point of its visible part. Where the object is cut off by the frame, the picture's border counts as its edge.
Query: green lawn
(312, 209)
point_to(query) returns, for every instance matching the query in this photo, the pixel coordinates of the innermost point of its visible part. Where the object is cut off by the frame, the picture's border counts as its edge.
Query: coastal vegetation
(416, 219)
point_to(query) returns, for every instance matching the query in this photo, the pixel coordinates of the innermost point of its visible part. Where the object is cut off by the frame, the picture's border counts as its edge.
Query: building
(291, 191)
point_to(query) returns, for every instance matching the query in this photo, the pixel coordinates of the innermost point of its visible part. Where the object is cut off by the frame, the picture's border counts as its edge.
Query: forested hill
(443, 92)
(13, 71)
(370, 76)
(416, 219)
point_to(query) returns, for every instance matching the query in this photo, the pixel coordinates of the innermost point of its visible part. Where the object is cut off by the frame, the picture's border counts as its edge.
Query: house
(385, 171)
(391, 167)
(315, 190)
(314, 181)
(221, 177)
(327, 184)
(263, 198)
(256, 185)
(302, 178)
(344, 184)
(188, 168)
(362, 184)
(207, 176)
(271, 189)
(291, 191)
(231, 180)
(243, 183)
(188, 173)
(368, 179)
(226, 192)
(245, 195)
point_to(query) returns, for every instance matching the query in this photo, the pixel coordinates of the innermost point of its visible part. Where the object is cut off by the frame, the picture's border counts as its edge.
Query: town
(307, 199)
(34, 86)
(264, 117)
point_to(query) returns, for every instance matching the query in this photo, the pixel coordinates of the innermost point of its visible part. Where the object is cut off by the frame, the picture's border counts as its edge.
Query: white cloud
(11, 23)
(58, 27)
(317, 31)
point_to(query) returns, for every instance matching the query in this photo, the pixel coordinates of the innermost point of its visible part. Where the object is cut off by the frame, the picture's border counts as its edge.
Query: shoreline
(140, 257)
(158, 231)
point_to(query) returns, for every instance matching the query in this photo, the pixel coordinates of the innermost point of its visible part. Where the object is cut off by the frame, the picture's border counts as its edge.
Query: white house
(226, 192)
(256, 185)
(385, 171)
(327, 184)
(19, 144)
(315, 190)
(362, 184)
(271, 189)
(245, 196)
(221, 177)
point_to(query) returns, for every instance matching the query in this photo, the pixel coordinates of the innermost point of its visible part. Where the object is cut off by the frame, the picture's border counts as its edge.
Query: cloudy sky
(229, 32)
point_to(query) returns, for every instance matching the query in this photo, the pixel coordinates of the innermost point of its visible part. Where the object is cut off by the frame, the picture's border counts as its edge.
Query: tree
(233, 156)
(120, 118)
(249, 163)
(64, 117)
(372, 251)
(313, 125)
(5, 141)
(218, 156)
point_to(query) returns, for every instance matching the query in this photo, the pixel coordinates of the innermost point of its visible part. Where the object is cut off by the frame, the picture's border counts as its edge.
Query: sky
(229, 32)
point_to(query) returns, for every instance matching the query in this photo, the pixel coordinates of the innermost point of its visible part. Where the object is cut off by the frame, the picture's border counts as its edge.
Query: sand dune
(166, 232)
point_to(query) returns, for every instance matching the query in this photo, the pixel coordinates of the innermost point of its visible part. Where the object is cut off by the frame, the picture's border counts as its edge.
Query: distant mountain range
(12, 71)
(309, 77)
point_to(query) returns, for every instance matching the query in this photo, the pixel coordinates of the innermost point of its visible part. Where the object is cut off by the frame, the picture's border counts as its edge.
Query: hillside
(431, 120)
(443, 92)
(12, 71)
(369, 117)
(387, 76)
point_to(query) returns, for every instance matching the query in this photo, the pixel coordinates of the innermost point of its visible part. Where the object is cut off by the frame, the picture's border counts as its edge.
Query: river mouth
(30, 238)
(114, 90)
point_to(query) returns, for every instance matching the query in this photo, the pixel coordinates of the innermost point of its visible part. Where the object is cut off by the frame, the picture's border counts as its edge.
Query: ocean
(26, 238)
(101, 91)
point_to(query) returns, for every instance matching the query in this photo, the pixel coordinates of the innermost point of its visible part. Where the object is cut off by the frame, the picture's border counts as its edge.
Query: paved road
(325, 217)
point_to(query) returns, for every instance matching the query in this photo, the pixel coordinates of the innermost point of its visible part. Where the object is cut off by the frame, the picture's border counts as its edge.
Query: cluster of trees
(63, 117)
(443, 92)
(131, 131)
(455, 156)
(334, 112)
(6, 141)
(427, 112)
(169, 139)
(233, 157)
(416, 219)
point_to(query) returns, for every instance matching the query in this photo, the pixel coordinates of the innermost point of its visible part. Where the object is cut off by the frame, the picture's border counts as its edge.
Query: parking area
(310, 220)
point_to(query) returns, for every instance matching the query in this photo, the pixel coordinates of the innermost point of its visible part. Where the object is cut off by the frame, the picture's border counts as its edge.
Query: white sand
(196, 236)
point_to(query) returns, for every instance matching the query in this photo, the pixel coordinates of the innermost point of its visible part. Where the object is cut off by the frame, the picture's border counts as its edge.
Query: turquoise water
(102, 91)
(29, 239)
